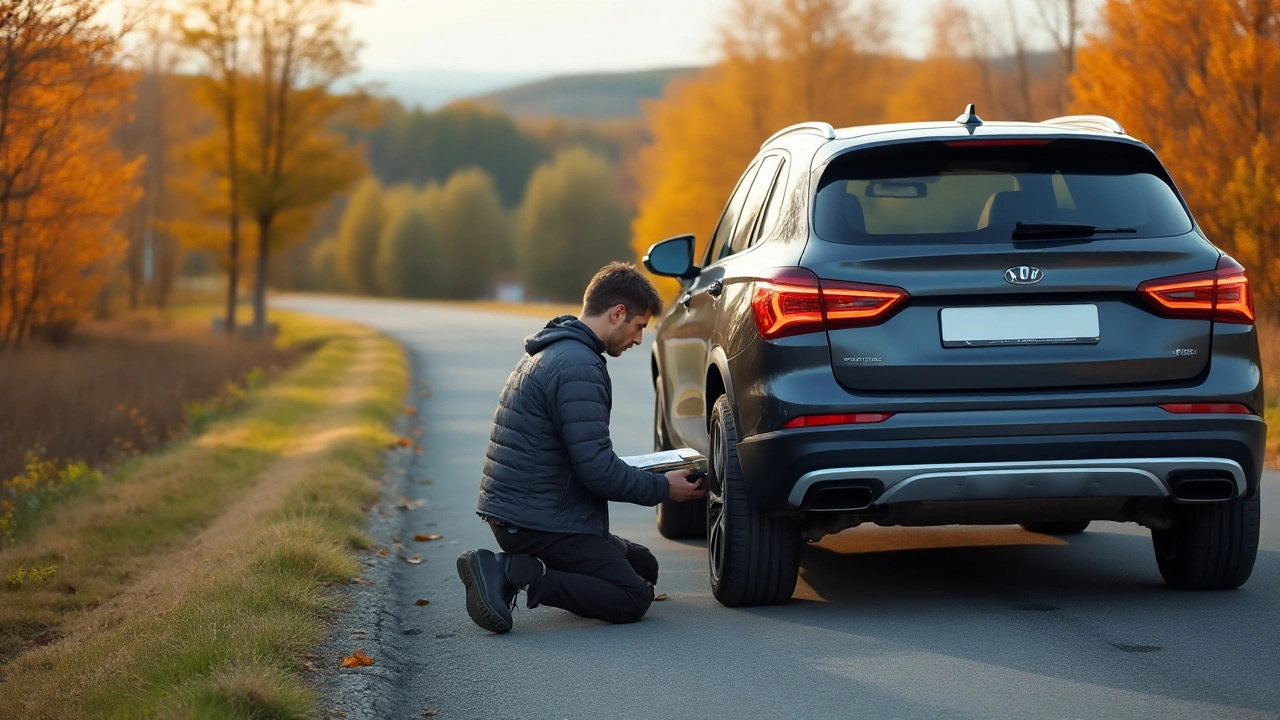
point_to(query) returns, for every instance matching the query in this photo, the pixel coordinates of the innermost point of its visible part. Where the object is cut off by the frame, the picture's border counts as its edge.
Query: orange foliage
(1196, 80)
(783, 62)
(789, 61)
(61, 184)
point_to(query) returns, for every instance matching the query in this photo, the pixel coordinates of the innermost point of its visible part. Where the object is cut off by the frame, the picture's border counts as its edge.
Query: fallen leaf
(410, 410)
(414, 560)
(417, 449)
(430, 713)
(422, 601)
(660, 597)
(404, 442)
(357, 659)
(427, 538)
(417, 432)
(384, 552)
(361, 581)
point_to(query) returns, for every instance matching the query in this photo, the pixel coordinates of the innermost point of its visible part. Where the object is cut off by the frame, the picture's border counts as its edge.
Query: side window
(772, 210)
(730, 217)
(751, 208)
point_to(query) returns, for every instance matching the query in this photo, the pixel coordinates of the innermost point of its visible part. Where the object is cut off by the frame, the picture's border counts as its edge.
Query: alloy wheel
(716, 496)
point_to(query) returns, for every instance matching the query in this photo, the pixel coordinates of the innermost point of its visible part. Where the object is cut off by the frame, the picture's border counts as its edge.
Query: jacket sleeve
(580, 410)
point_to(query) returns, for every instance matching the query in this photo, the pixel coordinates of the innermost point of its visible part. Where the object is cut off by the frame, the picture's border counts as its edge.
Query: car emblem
(1023, 275)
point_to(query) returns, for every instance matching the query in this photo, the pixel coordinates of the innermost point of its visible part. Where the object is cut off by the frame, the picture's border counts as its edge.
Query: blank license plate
(1020, 325)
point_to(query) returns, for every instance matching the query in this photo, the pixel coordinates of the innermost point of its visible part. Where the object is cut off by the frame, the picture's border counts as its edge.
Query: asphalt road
(953, 622)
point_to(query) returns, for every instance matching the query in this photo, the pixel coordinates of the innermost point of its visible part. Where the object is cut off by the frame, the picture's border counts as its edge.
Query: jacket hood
(564, 327)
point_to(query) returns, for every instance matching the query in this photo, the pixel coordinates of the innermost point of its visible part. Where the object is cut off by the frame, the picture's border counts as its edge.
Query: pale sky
(573, 36)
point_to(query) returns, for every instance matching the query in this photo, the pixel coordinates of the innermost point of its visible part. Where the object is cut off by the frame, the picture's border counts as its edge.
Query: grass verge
(190, 584)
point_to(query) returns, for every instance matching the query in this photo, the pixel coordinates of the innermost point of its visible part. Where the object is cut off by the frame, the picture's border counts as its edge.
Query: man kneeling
(550, 471)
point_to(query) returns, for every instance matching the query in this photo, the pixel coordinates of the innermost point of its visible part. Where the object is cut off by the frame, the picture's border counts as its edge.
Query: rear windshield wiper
(1049, 231)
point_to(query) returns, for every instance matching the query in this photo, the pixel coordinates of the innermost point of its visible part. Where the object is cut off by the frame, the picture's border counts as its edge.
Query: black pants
(604, 578)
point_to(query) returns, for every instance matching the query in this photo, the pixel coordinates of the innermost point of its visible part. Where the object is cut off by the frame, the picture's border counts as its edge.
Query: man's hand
(682, 489)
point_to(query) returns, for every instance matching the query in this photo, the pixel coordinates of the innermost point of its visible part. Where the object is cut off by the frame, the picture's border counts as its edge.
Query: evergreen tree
(406, 265)
(572, 223)
(473, 233)
(358, 236)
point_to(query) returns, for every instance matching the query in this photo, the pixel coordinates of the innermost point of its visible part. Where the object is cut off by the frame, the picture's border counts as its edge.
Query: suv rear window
(967, 191)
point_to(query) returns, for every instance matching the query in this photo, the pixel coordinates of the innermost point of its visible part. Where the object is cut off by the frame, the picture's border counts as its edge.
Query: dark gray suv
(960, 323)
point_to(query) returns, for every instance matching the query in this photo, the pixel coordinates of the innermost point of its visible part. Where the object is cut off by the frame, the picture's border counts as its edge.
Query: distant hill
(430, 88)
(596, 96)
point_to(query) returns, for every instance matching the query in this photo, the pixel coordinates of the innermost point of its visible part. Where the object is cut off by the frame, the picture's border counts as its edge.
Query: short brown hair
(620, 283)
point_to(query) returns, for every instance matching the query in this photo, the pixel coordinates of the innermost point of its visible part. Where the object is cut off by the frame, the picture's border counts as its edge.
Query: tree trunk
(260, 282)
(233, 273)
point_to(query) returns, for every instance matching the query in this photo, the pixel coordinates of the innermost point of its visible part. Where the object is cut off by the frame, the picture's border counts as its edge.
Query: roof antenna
(969, 116)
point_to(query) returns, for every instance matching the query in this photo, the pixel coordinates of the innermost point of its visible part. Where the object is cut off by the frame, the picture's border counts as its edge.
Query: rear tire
(676, 520)
(1061, 527)
(754, 558)
(1209, 547)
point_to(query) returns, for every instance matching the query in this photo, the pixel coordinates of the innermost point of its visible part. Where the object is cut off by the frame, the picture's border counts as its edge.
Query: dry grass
(191, 583)
(1269, 349)
(120, 388)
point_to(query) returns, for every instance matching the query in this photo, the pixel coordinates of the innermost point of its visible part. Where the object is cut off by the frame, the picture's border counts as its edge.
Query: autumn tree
(161, 123)
(1061, 20)
(62, 185)
(1196, 80)
(217, 31)
(955, 72)
(782, 62)
(358, 234)
(294, 160)
(571, 225)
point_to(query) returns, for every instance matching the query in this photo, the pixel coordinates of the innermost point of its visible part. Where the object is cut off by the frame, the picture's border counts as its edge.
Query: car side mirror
(672, 257)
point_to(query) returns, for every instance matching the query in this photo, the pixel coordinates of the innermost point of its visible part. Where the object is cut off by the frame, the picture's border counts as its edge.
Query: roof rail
(1101, 123)
(822, 128)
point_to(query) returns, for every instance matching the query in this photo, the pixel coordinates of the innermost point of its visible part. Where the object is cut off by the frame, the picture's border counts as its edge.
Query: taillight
(789, 302)
(792, 301)
(837, 419)
(1220, 295)
(1207, 408)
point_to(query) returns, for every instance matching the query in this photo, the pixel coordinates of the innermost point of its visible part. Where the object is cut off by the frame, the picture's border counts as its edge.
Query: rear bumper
(1118, 452)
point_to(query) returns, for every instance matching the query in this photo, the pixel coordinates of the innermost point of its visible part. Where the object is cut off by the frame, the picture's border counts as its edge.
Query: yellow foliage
(35, 576)
(783, 62)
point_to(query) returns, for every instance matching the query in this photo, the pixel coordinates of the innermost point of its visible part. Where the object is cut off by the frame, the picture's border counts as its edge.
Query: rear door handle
(715, 288)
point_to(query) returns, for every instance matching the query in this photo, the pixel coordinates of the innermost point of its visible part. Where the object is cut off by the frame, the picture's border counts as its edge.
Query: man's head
(618, 304)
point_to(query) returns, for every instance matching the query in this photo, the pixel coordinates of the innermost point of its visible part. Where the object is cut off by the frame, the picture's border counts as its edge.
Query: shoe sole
(479, 611)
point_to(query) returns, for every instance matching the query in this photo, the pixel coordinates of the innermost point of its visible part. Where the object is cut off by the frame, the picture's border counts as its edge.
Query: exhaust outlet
(842, 498)
(1204, 489)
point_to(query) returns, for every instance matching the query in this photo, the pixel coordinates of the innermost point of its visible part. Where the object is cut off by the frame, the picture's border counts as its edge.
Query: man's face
(626, 333)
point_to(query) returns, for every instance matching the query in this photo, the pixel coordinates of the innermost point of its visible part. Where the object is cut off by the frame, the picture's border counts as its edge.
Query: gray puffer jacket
(551, 464)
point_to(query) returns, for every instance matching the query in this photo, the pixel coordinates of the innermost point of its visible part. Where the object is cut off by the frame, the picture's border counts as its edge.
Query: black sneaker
(489, 593)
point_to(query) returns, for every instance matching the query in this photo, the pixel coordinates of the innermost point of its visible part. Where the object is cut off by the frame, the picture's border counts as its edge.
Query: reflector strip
(1207, 408)
(837, 419)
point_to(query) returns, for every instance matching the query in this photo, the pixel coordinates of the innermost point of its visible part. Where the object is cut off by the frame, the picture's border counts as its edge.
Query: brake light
(1007, 142)
(1202, 408)
(837, 419)
(1220, 295)
(793, 301)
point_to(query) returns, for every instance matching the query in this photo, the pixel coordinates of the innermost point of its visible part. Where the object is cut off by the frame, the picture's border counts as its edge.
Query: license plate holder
(1007, 325)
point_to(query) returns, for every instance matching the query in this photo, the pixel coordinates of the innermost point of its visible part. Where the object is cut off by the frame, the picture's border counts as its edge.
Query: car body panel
(1037, 404)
